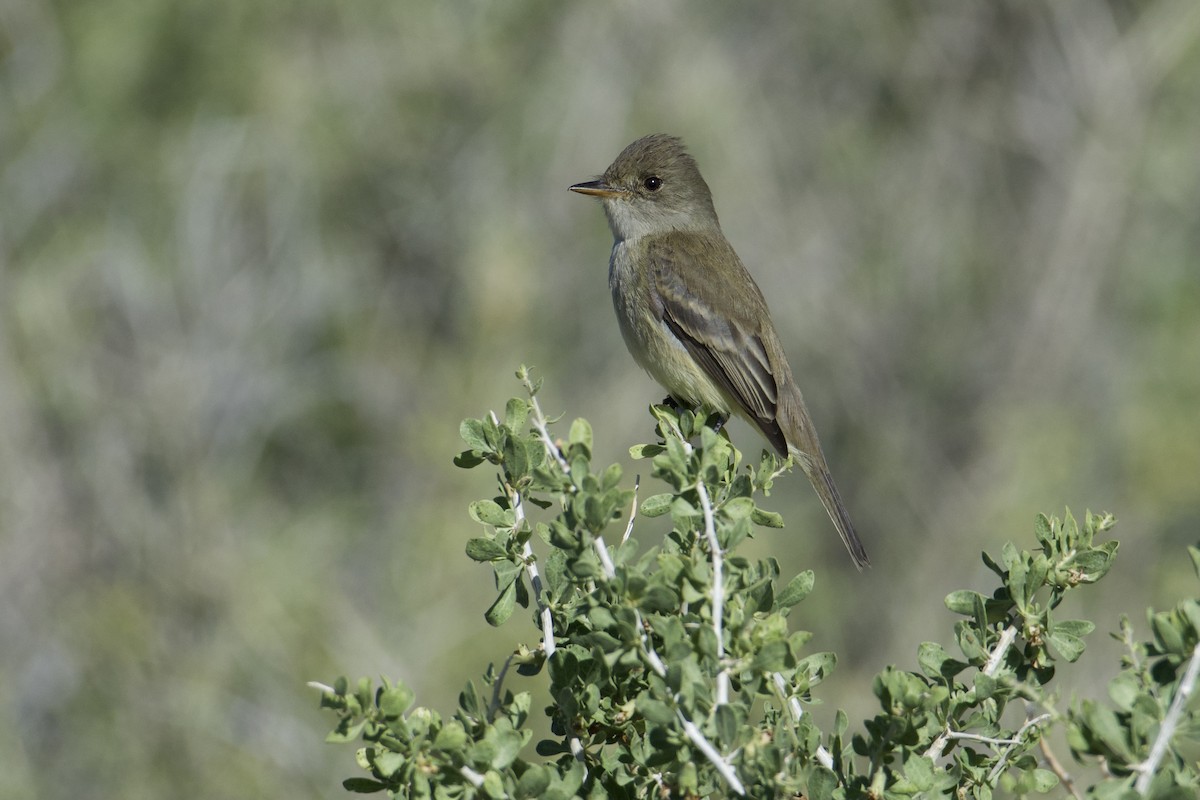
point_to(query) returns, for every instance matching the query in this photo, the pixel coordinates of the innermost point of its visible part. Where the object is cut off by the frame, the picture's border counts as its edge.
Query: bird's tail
(802, 444)
(822, 481)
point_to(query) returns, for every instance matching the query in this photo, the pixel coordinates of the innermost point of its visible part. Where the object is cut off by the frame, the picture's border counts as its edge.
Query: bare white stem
(539, 422)
(718, 589)
(610, 570)
(704, 746)
(535, 578)
(1012, 744)
(474, 777)
(1170, 722)
(579, 753)
(320, 687)
(1007, 637)
(997, 658)
(531, 570)
(656, 664)
(797, 711)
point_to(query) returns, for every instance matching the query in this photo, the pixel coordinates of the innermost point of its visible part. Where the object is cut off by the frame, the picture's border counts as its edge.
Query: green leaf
(506, 743)
(1067, 645)
(451, 737)
(962, 601)
(1043, 780)
(796, 590)
(516, 457)
(738, 508)
(1042, 529)
(1075, 627)
(395, 701)
(726, 722)
(772, 657)
(534, 782)
(503, 607)
(493, 785)
(821, 784)
(348, 730)
(767, 519)
(985, 686)
(481, 549)
(646, 450)
(656, 506)
(515, 414)
(468, 459)
(817, 667)
(581, 434)
(655, 711)
(1194, 553)
(489, 512)
(919, 771)
(471, 431)
(363, 785)
(936, 662)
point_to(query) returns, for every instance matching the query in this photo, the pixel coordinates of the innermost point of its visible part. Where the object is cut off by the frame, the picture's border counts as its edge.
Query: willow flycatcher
(691, 314)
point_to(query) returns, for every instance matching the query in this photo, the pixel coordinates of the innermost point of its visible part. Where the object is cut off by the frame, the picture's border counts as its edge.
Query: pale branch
(1007, 637)
(610, 570)
(718, 590)
(797, 711)
(997, 658)
(689, 728)
(527, 555)
(1016, 740)
(578, 752)
(1058, 769)
(535, 578)
(474, 777)
(656, 664)
(704, 746)
(1170, 722)
(539, 423)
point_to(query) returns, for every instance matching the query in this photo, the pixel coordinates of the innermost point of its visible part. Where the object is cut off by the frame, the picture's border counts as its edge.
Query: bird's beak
(596, 188)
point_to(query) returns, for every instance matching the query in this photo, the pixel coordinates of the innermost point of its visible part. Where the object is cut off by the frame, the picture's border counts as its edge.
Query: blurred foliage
(258, 259)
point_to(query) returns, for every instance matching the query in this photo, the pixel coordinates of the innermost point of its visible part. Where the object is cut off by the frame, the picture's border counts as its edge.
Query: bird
(691, 314)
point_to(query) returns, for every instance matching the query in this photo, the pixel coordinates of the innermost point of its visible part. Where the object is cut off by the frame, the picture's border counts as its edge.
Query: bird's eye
(653, 183)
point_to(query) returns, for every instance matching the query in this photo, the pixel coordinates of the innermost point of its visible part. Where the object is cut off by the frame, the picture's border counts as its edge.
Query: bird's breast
(651, 343)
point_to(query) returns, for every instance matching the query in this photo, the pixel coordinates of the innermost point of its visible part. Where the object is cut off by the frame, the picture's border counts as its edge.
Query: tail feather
(822, 481)
(802, 443)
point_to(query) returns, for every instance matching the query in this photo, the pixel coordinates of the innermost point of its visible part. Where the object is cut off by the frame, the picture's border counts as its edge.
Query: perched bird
(691, 314)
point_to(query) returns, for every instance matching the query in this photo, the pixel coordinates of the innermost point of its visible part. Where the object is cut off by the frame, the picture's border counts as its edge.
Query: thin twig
(539, 422)
(1007, 637)
(474, 777)
(498, 686)
(710, 752)
(656, 664)
(997, 658)
(610, 570)
(1057, 768)
(797, 711)
(637, 484)
(718, 590)
(1016, 740)
(1170, 722)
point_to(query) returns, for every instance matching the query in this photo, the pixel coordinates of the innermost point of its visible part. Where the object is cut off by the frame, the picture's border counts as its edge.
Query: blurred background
(258, 260)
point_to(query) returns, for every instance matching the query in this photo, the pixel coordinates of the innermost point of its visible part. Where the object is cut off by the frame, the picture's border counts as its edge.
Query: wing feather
(729, 346)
